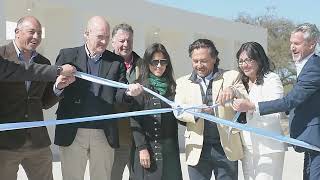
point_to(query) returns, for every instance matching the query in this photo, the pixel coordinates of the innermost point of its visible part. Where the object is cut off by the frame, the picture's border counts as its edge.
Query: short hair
(310, 31)
(123, 26)
(23, 19)
(20, 22)
(205, 43)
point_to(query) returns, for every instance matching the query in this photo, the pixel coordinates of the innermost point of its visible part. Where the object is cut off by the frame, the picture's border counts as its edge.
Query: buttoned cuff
(141, 147)
(57, 91)
(256, 110)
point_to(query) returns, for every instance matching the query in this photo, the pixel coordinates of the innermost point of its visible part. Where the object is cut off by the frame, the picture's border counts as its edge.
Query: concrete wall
(65, 22)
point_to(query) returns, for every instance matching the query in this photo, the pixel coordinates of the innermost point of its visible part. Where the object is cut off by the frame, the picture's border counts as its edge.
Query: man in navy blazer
(94, 141)
(303, 100)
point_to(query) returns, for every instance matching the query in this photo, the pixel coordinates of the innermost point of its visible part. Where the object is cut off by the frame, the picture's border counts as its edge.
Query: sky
(299, 11)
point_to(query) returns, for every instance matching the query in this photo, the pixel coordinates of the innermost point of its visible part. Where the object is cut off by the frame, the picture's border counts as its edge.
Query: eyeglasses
(247, 61)
(156, 62)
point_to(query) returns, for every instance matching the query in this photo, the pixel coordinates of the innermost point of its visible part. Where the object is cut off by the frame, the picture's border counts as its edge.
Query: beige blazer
(189, 93)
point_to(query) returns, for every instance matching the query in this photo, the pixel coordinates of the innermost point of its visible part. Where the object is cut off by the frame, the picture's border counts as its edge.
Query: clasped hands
(66, 76)
(225, 96)
(241, 105)
(134, 89)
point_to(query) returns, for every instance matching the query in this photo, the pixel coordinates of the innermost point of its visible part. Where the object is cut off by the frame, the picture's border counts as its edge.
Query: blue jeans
(213, 159)
(311, 169)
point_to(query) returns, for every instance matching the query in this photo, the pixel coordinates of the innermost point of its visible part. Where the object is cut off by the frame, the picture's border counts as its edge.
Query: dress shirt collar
(129, 64)
(20, 54)
(206, 80)
(95, 58)
(195, 78)
(300, 64)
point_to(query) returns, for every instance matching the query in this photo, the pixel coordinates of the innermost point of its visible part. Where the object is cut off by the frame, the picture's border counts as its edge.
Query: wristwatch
(59, 70)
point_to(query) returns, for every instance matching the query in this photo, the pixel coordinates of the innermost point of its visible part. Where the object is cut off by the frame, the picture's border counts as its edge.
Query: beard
(296, 57)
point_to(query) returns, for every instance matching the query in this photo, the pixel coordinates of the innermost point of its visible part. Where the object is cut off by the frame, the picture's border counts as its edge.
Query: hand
(134, 89)
(68, 70)
(144, 158)
(207, 110)
(64, 81)
(243, 105)
(226, 95)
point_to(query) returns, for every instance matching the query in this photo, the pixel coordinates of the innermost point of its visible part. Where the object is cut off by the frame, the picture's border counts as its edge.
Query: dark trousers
(311, 169)
(213, 159)
(121, 160)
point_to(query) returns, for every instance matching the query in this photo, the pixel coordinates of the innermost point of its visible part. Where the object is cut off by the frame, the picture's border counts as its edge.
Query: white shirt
(271, 89)
(204, 82)
(300, 64)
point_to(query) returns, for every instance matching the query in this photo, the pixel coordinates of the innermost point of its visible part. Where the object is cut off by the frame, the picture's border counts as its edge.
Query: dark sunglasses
(162, 62)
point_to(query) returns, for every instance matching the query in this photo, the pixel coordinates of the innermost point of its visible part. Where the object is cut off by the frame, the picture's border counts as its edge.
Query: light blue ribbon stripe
(189, 109)
(23, 125)
(235, 118)
(100, 80)
(116, 84)
(258, 131)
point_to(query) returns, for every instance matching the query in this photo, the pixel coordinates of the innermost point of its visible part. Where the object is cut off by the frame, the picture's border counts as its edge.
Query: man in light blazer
(303, 100)
(209, 146)
(94, 141)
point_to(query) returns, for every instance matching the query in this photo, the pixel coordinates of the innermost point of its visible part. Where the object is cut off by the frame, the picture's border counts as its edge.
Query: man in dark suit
(24, 101)
(93, 141)
(303, 100)
(13, 71)
(122, 43)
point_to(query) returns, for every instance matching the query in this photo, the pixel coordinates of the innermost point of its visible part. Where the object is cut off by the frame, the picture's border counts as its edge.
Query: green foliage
(279, 31)
(287, 88)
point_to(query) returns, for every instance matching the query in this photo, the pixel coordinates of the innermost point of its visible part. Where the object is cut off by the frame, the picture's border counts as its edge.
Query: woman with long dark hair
(155, 150)
(263, 157)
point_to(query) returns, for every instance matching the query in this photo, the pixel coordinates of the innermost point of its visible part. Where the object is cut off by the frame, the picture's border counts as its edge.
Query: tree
(279, 31)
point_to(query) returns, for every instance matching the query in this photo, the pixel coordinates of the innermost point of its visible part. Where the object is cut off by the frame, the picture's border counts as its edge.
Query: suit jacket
(150, 128)
(158, 133)
(13, 71)
(133, 74)
(72, 104)
(123, 124)
(19, 105)
(303, 100)
(271, 89)
(188, 92)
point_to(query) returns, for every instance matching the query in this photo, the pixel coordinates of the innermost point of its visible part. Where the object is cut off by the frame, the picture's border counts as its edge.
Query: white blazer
(271, 89)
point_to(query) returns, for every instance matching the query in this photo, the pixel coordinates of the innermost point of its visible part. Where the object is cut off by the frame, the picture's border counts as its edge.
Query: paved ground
(292, 169)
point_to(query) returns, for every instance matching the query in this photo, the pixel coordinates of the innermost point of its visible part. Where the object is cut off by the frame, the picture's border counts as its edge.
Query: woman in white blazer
(263, 157)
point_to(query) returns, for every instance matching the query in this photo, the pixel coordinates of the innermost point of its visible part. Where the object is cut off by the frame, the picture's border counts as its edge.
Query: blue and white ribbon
(32, 124)
(259, 131)
(115, 84)
(175, 107)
